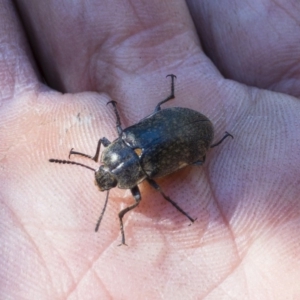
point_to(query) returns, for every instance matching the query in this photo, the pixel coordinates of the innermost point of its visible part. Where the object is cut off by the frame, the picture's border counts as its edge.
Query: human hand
(244, 244)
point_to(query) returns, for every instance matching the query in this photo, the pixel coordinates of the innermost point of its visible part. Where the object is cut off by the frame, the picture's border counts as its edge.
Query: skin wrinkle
(79, 280)
(127, 40)
(223, 216)
(66, 265)
(136, 14)
(91, 267)
(289, 74)
(247, 108)
(30, 239)
(286, 11)
(224, 278)
(101, 282)
(274, 28)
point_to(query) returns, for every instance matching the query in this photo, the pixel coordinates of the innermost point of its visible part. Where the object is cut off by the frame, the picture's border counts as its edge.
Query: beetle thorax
(121, 163)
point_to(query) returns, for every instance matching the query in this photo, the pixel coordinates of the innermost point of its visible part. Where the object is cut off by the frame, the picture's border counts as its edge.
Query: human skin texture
(237, 62)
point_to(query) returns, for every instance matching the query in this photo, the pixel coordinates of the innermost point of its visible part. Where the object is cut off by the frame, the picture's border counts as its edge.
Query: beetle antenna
(102, 213)
(62, 161)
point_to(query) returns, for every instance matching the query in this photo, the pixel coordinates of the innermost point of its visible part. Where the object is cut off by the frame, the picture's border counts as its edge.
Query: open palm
(246, 197)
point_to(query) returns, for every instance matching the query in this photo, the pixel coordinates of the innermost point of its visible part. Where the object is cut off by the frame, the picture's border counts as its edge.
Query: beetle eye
(138, 151)
(104, 179)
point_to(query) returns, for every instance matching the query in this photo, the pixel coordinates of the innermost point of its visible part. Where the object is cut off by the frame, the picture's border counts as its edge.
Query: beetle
(163, 142)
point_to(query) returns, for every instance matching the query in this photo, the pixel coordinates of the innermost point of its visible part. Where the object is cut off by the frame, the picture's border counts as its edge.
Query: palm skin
(246, 198)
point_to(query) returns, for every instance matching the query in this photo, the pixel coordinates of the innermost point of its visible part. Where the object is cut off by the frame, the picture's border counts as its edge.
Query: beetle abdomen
(170, 139)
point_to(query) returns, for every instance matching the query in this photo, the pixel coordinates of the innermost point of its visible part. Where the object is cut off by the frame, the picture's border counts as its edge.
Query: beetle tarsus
(227, 134)
(157, 187)
(172, 96)
(118, 121)
(122, 244)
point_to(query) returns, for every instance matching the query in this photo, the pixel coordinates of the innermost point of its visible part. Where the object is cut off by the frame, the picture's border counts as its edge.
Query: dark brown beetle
(158, 145)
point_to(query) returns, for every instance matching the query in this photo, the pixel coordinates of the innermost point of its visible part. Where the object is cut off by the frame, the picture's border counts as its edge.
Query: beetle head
(105, 180)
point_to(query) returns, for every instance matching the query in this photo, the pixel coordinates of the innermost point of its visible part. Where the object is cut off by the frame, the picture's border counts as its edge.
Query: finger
(252, 43)
(111, 42)
(17, 65)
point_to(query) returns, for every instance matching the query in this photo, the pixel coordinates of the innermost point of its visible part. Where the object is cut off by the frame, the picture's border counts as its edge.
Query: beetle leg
(137, 197)
(104, 141)
(157, 187)
(172, 96)
(118, 122)
(221, 140)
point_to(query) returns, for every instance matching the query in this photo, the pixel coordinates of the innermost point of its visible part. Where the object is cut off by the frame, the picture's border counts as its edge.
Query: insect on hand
(158, 145)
